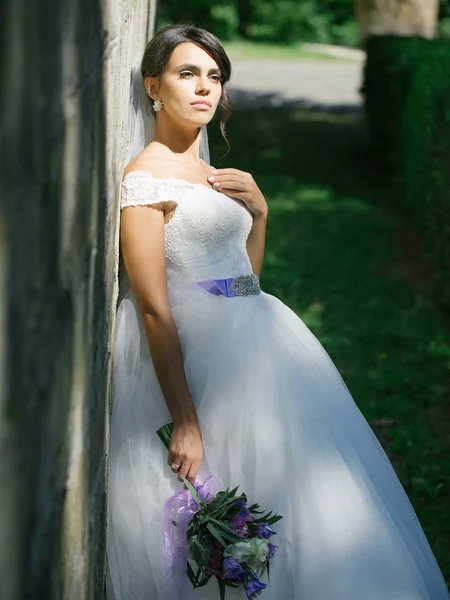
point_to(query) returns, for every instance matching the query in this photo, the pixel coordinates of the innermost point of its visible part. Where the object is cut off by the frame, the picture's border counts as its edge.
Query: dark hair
(159, 50)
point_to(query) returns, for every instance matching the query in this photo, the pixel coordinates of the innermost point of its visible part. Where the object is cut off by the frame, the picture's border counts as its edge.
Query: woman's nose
(204, 85)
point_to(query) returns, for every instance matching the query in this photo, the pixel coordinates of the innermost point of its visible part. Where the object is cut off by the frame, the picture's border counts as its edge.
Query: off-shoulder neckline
(164, 179)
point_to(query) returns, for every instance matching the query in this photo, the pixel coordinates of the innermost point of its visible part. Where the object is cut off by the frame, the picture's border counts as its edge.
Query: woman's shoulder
(147, 179)
(158, 166)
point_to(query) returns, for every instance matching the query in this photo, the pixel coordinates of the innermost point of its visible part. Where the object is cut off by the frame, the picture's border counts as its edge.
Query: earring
(157, 105)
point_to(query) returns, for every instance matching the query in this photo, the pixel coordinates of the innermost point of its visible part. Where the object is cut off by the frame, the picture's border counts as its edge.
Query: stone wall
(397, 17)
(65, 81)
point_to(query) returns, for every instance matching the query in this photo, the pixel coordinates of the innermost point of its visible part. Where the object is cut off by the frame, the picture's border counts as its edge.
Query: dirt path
(307, 83)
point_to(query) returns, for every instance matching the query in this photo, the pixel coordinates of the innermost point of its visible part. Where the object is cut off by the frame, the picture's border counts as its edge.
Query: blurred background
(290, 22)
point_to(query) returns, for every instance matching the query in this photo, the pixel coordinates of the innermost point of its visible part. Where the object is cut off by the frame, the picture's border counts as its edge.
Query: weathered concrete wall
(397, 17)
(64, 112)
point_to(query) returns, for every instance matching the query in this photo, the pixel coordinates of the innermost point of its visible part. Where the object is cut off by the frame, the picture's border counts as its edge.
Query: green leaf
(201, 578)
(232, 502)
(202, 517)
(274, 519)
(221, 589)
(213, 531)
(257, 512)
(232, 585)
(226, 528)
(227, 507)
(197, 577)
(196, 557)
(204, 580)
(191, 574)
(220, 498)
(164, 434)
(263, 569)
(231, 512)
(231, 538)
(268, 517)
(201, 549)
(233, 491)
(193, 491)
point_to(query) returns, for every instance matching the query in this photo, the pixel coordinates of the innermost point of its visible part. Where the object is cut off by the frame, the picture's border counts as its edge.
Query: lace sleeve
(140, 188)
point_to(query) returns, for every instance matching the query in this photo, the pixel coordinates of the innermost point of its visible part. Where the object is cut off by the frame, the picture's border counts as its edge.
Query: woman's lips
(201, 105)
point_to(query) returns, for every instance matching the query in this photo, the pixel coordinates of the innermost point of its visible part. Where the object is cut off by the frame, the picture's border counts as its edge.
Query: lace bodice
(206, 235)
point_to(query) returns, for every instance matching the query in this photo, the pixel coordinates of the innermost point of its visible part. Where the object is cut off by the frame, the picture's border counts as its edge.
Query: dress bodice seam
(184, 182)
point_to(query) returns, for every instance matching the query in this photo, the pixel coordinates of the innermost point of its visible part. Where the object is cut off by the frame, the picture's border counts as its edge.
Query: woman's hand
(186, 450)
(242, 186)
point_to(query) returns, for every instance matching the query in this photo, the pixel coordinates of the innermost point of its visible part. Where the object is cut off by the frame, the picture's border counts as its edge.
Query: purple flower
(265, 531)
(215, 546)
(271, 551)
(254, 586)
(240, 526)
(215, 565)
(244, 513)
(233, 570)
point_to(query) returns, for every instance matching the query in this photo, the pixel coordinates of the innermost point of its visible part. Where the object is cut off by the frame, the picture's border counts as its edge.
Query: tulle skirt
(278, 420)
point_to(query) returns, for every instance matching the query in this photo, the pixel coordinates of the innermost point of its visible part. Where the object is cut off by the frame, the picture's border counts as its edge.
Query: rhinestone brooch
(246, 285)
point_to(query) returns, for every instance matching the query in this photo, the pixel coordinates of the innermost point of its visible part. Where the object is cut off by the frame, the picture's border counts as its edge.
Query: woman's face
(190, 87)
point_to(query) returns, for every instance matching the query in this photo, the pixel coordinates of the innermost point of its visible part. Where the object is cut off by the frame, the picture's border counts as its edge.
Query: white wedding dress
(276, 418)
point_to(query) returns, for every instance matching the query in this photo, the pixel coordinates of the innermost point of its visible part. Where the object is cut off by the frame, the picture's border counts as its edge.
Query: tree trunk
(396, 17)
(245, 11)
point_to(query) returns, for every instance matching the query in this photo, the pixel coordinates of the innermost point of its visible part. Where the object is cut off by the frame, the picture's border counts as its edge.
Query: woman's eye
(185, 74)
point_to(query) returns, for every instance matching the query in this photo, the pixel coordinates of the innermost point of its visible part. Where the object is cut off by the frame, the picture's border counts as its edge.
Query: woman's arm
(256, 242)
(142, 244)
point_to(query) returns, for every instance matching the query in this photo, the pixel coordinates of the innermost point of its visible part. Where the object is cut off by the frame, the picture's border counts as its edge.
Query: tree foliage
(444, 9)
(277, 21)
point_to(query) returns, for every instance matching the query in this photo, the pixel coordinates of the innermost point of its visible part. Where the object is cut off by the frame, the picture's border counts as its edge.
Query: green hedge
(426, 142)
(407, 103)
(387, 80)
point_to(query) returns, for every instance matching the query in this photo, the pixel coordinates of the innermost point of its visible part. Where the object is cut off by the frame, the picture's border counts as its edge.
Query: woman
(252, 394)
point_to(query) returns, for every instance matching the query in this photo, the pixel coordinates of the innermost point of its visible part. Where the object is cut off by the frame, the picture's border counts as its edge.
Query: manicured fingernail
(211, 178)
(216, 184)
(213, 170)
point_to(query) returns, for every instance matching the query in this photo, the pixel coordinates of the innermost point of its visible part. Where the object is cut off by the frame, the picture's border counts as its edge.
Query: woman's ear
(152, 87)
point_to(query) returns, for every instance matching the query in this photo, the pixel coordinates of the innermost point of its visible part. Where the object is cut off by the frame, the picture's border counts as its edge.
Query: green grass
(238, 50)
(344, 258)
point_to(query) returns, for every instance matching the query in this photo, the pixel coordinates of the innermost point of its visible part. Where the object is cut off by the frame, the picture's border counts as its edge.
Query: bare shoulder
(155, 162)
(161, 164)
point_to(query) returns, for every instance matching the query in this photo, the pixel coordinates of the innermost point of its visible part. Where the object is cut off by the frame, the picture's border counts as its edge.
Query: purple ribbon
(178, 511)
(218, 287)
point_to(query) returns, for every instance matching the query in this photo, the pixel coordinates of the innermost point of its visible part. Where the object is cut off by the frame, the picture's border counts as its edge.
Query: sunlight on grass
(335, 255)
(238, 50)
(321, 199)
(312, 315)
(302, 115)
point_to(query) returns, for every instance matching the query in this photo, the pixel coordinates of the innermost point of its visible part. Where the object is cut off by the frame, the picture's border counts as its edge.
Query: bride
(252, 394)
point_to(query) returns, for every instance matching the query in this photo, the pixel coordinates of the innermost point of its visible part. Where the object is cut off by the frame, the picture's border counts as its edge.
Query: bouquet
(219, 533)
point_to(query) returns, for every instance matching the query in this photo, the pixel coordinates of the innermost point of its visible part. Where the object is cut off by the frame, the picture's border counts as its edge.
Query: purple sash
(242, 285)
(218, 287)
